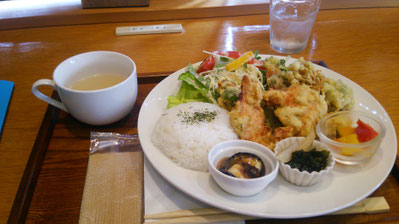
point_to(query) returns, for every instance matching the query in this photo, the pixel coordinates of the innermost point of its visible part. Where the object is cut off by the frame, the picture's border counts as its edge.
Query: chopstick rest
(150, 29)
(209, 215)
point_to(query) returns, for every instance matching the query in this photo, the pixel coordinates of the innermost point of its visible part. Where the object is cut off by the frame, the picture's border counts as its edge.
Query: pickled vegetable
(361, 133)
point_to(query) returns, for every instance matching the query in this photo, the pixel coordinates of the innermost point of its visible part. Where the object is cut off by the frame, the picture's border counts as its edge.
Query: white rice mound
(188, 143)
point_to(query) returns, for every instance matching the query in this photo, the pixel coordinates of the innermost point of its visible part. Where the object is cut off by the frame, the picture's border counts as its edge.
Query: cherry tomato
(256, 62)
(230, 54)
(261, 67)
(233, 54)
(207, 64)
(364, 131)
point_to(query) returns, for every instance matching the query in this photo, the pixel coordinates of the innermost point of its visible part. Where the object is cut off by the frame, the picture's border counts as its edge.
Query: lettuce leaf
(190, 79)
(191, 90)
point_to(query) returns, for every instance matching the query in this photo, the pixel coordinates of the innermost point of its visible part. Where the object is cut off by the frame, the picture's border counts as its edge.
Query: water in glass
(291, 23)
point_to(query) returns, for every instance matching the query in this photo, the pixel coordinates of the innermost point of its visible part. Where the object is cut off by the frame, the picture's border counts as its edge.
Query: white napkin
(160, 196)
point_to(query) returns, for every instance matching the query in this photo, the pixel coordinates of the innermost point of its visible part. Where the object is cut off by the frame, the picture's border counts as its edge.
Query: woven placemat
(113, 191)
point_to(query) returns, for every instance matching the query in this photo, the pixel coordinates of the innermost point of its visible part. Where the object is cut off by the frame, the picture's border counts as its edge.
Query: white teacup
(95, 107)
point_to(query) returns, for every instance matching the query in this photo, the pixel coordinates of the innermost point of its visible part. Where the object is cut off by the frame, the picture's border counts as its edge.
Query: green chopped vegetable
(284, 69)
(270, 119)
(231, 93)
(310, 161)
(256, 55)
(264, 78)
(197, 117)
(224, 59)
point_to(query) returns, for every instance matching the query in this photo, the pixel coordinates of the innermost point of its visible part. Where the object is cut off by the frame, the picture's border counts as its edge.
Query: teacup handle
(38, 94)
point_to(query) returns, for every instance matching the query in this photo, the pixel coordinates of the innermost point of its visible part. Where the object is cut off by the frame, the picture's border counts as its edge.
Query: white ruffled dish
(283, 151)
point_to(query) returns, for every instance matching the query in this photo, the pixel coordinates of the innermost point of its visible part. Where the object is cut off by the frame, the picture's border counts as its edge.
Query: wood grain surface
(41, 13)
(361, 44)
(113, 3)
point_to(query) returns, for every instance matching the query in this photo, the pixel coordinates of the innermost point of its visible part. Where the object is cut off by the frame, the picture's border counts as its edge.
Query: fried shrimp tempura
(248, 119)
(298, 106)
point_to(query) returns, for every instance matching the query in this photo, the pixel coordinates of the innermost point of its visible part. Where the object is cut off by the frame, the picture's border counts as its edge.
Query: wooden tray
(51, 188)
(86, 4)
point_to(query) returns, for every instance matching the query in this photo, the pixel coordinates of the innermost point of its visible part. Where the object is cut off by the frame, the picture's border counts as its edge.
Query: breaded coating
(280, 76)
(248, 118)
(338, 95)
(298, 106)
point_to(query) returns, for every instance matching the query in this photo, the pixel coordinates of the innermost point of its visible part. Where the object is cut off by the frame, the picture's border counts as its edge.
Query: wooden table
(359, 43)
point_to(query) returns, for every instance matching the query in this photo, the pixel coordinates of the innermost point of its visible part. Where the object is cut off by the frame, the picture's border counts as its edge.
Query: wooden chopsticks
(209, 215)
(223, 217)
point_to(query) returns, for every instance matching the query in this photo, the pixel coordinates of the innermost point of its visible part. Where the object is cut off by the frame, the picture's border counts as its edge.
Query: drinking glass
(291, 23)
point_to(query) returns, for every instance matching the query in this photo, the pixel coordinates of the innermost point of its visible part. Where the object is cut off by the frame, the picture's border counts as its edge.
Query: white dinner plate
(341, 188)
